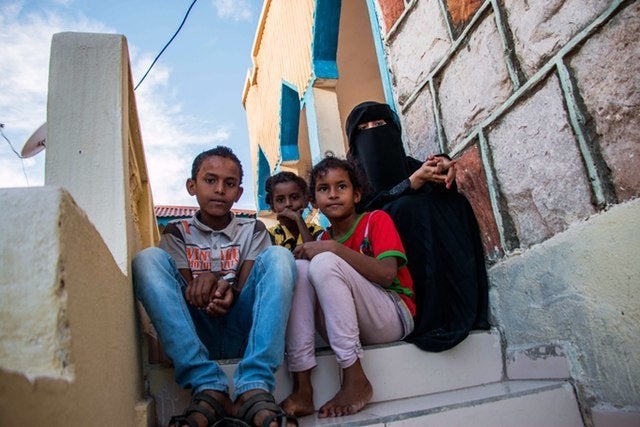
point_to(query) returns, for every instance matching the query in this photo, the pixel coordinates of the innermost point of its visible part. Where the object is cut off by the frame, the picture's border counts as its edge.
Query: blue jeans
(253, 329)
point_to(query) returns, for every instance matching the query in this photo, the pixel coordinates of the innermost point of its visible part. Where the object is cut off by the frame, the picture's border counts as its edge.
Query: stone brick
(541, 28)
(414, 51)
(539, 167)
(420, 132)
(391, 11)
(472, 182)
(607, 70)
(461, 12)
(474, 84)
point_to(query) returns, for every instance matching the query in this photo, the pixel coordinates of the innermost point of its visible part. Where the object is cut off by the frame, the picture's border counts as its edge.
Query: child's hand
(222, 299)
(310, 249)
(200, 290)
(289, 214)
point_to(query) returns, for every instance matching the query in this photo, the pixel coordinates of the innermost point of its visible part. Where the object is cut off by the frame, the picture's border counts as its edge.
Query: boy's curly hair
(279, 178)
(332, 162)
(220, 151)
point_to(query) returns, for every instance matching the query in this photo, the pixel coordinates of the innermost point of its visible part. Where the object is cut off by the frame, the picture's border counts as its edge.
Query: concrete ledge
(538, 362)
(579, 288)
(510, 403)
(54, 261)
(396, 371)
(145, 413)
(615, 418)
(34, 332)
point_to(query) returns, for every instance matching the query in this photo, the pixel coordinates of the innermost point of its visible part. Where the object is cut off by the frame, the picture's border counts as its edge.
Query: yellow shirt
(281, 236)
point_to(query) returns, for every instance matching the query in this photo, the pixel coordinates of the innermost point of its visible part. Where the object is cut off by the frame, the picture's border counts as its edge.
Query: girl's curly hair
(332, 162)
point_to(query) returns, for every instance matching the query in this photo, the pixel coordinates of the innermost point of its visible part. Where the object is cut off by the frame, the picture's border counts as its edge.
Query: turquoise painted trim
(382, 57)
(312, 125)
(325, 38)
(164, 221)
(289, 122)
(263, 173)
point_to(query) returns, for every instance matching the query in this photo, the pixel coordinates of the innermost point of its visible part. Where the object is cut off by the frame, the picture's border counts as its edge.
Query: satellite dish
(35, 143)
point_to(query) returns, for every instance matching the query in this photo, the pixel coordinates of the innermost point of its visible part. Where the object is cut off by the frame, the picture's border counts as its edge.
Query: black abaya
(438, 229)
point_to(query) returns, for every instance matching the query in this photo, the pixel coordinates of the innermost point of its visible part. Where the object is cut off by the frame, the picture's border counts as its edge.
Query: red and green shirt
(374, 234)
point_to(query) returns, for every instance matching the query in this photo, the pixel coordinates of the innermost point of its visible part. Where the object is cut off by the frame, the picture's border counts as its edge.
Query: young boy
(287, 195)
(217, 289)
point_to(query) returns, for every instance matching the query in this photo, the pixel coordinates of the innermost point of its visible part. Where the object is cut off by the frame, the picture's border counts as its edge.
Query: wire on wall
(166, 45)
(15, 152)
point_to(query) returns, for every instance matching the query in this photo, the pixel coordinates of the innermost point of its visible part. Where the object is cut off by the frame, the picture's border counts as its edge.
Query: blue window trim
(325, 38)
(312, 125)
(264, 172)
(382, 57)
(325, 47)
(289, 122)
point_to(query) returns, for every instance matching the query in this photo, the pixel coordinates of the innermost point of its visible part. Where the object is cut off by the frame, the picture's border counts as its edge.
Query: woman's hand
(438, 170)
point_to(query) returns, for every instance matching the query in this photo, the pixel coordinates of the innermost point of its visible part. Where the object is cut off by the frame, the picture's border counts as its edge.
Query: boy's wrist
(233, 282)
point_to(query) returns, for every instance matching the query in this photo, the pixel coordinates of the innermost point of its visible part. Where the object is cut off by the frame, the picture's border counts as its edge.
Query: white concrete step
(396, 371)
(509, 403)
(401, 370)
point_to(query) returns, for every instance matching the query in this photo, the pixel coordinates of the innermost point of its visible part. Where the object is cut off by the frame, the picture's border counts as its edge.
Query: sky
(189, 102)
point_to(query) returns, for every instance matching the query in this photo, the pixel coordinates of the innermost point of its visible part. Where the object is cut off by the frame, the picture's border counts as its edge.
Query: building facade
(539, 103)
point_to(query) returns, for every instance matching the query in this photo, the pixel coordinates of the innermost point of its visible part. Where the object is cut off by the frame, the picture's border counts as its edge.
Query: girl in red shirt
(352, 286)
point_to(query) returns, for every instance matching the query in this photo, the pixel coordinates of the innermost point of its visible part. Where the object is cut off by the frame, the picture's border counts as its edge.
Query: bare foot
(299, 404)
(300, 401)
(355, 393)
(200, 420)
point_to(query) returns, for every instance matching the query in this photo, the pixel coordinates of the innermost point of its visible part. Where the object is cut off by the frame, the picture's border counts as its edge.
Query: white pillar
(91, 119)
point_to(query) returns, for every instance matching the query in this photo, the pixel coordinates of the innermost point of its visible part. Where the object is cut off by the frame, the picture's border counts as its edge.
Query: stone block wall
(539, 102)
(542, 97)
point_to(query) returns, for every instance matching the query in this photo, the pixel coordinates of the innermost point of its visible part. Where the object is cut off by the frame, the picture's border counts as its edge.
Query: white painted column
(88, 132)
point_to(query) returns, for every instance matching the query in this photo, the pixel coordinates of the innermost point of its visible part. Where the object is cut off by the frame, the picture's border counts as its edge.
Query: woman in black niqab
(435, 222)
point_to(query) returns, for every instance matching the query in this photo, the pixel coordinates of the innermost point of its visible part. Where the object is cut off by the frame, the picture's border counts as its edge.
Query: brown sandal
(216, 417)
(264, 401)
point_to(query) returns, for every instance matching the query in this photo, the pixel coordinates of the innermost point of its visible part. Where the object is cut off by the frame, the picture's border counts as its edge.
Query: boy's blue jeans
(253, 329)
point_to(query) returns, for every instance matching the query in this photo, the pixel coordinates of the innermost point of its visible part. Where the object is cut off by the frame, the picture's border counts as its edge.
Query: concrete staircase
(465, 386)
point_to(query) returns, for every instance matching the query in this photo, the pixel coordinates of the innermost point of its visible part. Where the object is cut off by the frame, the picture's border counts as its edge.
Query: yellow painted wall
(282, 51)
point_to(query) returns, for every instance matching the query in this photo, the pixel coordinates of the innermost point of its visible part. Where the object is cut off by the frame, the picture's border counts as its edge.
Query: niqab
(378, 151)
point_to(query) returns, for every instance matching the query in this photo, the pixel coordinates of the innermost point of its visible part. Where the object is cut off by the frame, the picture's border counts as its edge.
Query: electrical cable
(9, 142)
(186, 15)
(16, 153)
(167, 45)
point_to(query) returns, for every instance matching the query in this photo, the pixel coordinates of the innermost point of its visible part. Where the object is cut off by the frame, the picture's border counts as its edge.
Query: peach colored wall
(80, 365)
(68, 307)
